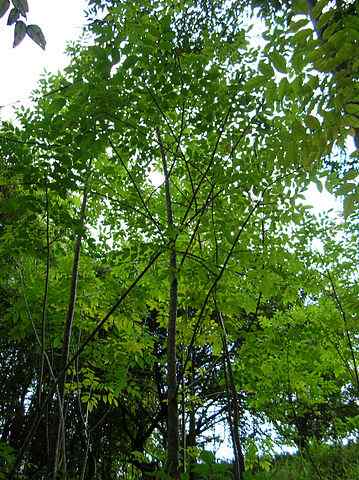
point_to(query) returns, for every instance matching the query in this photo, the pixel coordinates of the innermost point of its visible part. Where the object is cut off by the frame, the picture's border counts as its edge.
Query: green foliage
(264, 320)
(322, 462)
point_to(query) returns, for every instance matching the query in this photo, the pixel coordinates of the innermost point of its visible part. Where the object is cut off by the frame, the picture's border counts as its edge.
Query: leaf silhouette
(22, 6)
(36, 35)
(4, 6)
(19, 33)
(13, 16)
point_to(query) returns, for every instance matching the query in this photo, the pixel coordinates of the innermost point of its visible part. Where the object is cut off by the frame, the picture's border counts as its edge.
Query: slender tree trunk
(172, 403)
(66, 342)
(183, 426)
(45, 300)
(191, 439)
(233, 406)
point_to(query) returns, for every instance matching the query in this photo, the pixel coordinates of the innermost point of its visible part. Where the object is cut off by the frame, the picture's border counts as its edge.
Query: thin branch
(217, 280)
(172, 406)
(46, 291)
(68, 327)
(154, 221)
(342, 312)
(209, 166)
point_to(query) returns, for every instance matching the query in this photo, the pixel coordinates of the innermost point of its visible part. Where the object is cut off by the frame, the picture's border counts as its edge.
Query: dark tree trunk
(172, 403)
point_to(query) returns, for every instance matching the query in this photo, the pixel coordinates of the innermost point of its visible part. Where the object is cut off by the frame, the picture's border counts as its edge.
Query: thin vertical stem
(46, 291)
(172, 406)
(68, 333)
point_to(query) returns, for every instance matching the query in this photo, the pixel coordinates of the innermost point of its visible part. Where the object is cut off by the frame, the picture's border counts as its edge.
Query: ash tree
(158, 270)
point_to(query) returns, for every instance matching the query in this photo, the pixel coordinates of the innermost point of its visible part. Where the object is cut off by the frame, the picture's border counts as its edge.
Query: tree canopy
(161, 271)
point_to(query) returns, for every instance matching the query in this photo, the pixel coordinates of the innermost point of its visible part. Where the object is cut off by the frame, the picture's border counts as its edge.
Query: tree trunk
(66, 342)
(233, 406)
(172, 403)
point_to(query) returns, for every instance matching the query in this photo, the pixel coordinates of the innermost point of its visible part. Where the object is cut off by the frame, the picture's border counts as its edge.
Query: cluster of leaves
(322, 461)
(266, 326)
(20, 9)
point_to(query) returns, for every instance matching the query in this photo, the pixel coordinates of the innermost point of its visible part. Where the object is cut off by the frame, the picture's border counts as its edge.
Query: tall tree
(196, 248)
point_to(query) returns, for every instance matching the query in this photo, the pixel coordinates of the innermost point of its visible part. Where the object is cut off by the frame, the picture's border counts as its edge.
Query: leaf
(301, 36)
(318, 184)
(266, 69)
(279, 62)
(351, 121)
(346, 188)
(325, 18)
(284, 88)
(13, 16)
(130, 61)
(19, 33)
(300, 6)
(56, 105)
(318, 8)
(22, 6)
(255, 82)
(352, 108)
(351, 175)
(4, 6)
(348, 206)
(352, 21)
(295, 26)
(330, 30)
(36, 35)
(312, 122)
(346, 52)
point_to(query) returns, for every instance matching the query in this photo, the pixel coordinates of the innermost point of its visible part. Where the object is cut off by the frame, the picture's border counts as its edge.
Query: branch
(154, 221)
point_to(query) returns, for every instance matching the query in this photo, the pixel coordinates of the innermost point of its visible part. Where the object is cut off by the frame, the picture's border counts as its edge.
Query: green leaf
(300, 6)
(57, 104)
(351, 175)
(352, 21)
(4, 7)
(284, 88)
(266, 69)
(330, 30)
(351, 121)
(36, 35)
(130, 61)
(346, 188)
(255, 82)
(318, 8)
(348, 205)
(325, 18)
(295, 26)
(318, 184)
(13, 16)
(301, 36)
(346, 52)
(352, 108)
(19, 33)
(22, 6)
(312, 122)
(279, 62)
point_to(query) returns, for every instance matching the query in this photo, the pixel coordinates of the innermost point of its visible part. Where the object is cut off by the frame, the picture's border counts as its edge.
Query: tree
(146, 312)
